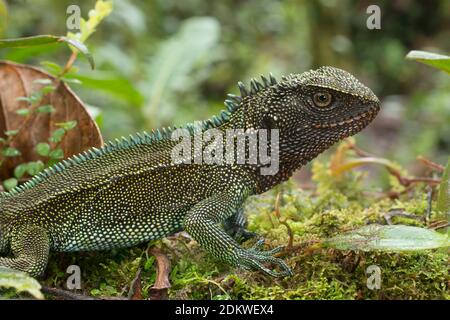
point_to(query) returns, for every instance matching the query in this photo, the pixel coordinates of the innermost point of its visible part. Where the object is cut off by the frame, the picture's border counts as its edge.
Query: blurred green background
(164, 62)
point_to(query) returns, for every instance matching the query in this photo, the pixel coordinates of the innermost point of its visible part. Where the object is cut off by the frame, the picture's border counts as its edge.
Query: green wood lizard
(131, 190)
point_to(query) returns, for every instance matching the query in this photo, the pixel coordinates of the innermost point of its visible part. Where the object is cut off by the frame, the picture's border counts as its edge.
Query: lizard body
(131, 191)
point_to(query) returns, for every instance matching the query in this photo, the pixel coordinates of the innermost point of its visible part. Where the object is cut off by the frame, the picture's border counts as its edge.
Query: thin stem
(69, 64)
(431, 164)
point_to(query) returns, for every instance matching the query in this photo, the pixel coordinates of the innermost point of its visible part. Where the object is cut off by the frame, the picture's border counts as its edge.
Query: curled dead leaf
(17, 80)
(135, 292)
(159, 291)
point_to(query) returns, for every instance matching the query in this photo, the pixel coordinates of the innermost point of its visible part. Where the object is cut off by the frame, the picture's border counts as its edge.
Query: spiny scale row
(117, 144)
(232, 103)
(256, 86)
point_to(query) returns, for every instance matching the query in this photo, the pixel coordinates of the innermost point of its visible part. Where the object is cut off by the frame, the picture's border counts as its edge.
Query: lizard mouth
(362, 118)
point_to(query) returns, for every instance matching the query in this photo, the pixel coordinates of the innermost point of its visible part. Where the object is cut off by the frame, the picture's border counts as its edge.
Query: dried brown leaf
(159, 290)
(17, 80)
(135, 292)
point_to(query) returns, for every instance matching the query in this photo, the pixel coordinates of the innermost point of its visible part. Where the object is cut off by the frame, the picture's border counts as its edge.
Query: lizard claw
(257, 247)
(255, 258)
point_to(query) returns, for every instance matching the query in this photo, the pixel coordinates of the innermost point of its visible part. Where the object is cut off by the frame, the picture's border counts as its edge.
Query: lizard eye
(322, 99)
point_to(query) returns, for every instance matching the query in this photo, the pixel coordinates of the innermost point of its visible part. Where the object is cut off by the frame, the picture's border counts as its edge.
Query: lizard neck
(295, 151)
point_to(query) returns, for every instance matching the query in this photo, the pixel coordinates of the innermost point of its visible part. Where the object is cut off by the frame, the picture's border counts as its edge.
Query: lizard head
(312, 111)
(316, 108)
(328, 103)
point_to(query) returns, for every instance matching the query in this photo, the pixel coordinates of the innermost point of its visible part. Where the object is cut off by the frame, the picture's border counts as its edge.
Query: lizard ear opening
(269, 122)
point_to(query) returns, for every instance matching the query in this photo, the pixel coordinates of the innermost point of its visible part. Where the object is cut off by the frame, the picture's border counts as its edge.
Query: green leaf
(34, 167)
(67, 125)
(443, 200)
(33, 98)
(149, 263)
(28, 41)
(36, 96)
(20, 55)
(23, 112)
(52, 67)
(82, 48)
(71, 81)
(47, 89)
(57, 135)
(46, 40)
(170, 69)
(20, 281)
(10, 133)
(45, 81)
(26, 99)
(388, 238)
(95, 292)
(111, 83)
(101, 10)
(56, 154)
(11, 152)
(20, 170)
(43, 149)
(3, 17)
(10, 184)
(439, 61)
(46, 108)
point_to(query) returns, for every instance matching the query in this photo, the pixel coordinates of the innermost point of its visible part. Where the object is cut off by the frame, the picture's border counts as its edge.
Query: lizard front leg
(202, 223)
(30, 246)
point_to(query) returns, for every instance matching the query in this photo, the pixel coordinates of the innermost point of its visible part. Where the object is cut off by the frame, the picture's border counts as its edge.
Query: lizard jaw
(364, 118)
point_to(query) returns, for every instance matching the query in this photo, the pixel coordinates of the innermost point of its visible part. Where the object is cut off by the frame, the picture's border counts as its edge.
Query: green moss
(337, 205)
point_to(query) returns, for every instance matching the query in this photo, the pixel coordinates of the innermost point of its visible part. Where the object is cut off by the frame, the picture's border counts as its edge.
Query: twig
(283, 221)
(396, 194)
(439, 225)
(399, 213)
(405, 181)
(358, 151)
(218, 285)
(431, 164)
(69, 64)
(429, 203)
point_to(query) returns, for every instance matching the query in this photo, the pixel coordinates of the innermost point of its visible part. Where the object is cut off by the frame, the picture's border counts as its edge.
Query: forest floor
(331, 207)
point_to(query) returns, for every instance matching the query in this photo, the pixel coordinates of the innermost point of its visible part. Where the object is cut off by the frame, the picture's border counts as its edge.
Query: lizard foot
(254, 258)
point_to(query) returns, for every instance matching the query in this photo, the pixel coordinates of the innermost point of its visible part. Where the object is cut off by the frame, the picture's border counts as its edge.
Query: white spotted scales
(130, 191)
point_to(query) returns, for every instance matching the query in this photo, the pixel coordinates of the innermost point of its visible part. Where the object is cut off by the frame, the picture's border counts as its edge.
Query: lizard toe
(253, 259)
